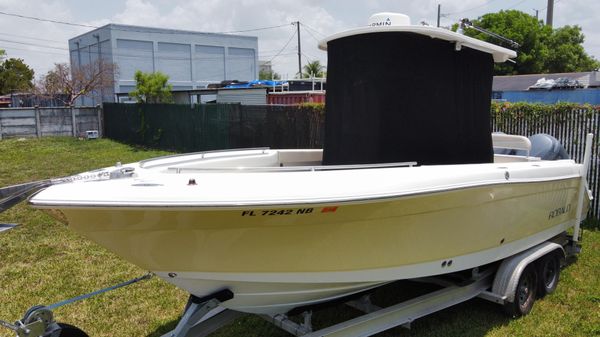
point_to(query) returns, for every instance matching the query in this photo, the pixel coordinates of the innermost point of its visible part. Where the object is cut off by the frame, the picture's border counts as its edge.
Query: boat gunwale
(264, 204)
(296, 168)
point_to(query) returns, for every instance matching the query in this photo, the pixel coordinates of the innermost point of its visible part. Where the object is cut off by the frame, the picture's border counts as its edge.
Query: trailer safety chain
(97, 292)
(38, 321)
(8, 325)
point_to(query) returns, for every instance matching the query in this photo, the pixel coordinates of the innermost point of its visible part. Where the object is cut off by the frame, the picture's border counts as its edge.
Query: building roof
(145, 29)
(523, 82)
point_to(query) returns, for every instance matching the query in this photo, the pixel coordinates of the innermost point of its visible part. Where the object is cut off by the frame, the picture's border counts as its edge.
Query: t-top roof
(393, 22)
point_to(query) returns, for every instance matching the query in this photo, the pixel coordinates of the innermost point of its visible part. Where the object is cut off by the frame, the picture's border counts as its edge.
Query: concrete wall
(190, 59)
(40, 122)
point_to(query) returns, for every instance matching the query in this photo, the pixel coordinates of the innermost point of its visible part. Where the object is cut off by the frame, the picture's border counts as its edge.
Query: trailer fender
(509, 272)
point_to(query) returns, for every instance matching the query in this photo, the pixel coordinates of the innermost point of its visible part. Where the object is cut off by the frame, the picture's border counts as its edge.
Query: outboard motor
(547, 147)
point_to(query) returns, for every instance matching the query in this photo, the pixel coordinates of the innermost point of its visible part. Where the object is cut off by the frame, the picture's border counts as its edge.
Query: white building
(190, 59)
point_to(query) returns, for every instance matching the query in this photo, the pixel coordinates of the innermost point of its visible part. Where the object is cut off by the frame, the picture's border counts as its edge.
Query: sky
(41, 44)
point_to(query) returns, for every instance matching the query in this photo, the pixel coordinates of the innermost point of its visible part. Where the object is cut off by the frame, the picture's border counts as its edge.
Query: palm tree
(314, 68)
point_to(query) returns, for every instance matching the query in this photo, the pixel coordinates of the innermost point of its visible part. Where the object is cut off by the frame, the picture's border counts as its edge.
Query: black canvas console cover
(400, 96)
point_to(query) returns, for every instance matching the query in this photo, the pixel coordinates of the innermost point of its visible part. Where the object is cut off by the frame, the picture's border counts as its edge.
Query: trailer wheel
(524, 293)
(548, 273)
(68, 330)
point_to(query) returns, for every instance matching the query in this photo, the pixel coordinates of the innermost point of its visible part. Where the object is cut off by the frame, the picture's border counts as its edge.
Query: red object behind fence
(293, 98)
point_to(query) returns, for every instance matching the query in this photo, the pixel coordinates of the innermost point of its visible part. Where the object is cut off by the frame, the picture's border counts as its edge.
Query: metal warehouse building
(190, 59)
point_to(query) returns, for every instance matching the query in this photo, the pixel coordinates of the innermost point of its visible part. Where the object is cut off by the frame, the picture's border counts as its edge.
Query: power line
(546, 7)
(31, 37)
(314, 30)
(177, 31)
(269, 50)
(125, 55)
(309, 55)
(470, 9)
(264, 53)
(309, 33)
(448, 15)
(148, 57)
(517, 4)
(285, 46)
(132, 28)
(33, 50)
(254, 29)
(312, 57)
(47, 20)
(308, 59)
(33, 44)
(307, 62)
(49, 52)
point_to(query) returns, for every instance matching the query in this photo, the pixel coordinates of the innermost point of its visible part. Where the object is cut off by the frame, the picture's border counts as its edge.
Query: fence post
(38, 124)
(73, 121)
(100, 124)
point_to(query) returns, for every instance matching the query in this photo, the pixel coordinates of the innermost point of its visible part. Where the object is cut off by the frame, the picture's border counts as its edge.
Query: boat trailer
(504, 283)
(500, 283)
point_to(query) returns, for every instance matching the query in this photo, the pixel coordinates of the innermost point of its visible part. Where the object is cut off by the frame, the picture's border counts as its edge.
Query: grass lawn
(42, 262)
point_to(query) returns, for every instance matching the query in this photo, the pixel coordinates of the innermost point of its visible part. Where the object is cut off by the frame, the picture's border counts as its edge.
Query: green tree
(541, 50)
(152, 88)
(268, 75)
(314, 68)
(15, 75)
(568, 55)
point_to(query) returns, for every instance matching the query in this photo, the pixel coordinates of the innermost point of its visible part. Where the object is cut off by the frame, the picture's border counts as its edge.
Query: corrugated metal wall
(134, 55)
(209, 63)
(582, 96)
(175, 60)
(243, 96)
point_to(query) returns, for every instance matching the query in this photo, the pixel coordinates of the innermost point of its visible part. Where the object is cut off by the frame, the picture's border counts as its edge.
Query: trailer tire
(525, 293)
(548, 270)
(68, 330)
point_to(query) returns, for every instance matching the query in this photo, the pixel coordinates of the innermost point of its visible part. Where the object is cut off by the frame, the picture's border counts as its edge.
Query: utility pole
(439, 13)
(550, 12)
(537, 14)
(299, 51)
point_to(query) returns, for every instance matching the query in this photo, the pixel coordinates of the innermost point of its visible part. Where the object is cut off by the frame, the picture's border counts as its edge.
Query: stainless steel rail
(201, 154)
(293, 168)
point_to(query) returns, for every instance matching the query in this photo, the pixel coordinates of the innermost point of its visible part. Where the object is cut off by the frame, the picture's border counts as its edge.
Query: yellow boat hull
(275, 258)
